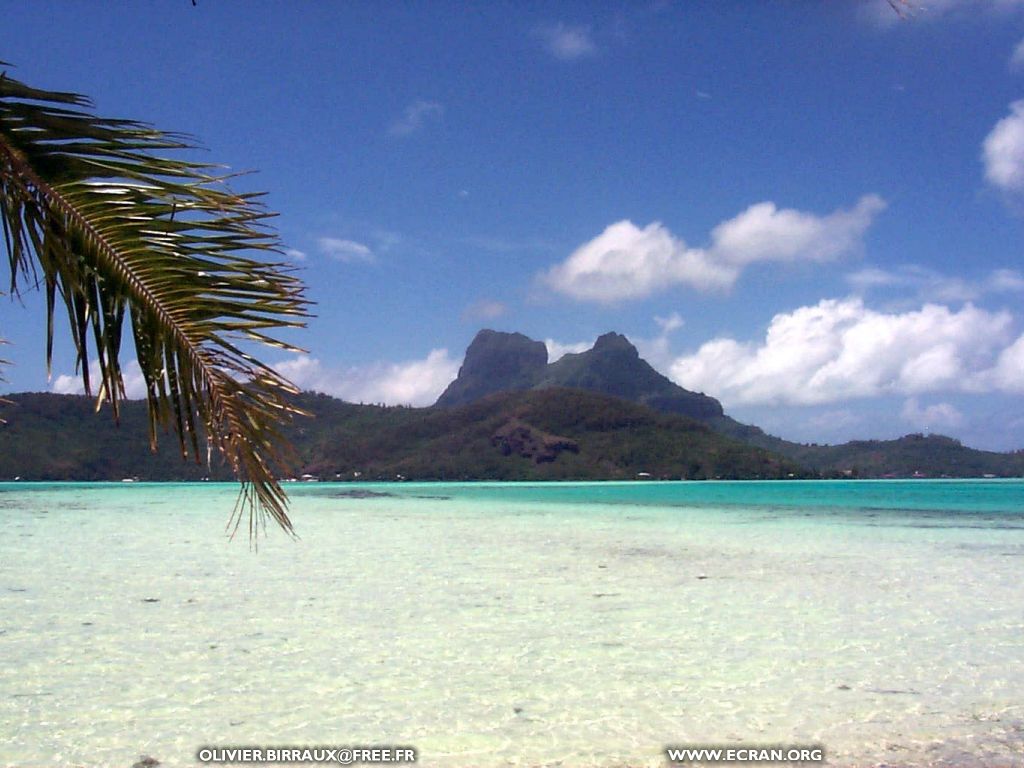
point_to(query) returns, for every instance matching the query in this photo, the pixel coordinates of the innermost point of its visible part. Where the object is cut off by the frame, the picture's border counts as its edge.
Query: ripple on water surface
(502, 625)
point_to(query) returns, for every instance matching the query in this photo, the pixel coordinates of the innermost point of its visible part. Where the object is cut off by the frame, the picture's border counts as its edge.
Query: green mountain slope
(548, 434)
(909, 456)
(614, 367)
(503, 362)
(542, 434)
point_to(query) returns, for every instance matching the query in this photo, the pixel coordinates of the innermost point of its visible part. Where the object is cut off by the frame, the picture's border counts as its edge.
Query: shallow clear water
(505, 624)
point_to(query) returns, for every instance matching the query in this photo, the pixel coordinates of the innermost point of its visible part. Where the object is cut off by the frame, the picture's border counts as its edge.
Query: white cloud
(671, 323)
(411, 382)
(937, 416)
(765, 233)
(657, 351)
(840, 349)
(930, 285)
(558, 350)
(1007, 374)
(567, 42)
(131, 374)
(66, 384)
(348, 251)
(1003, 150)
(1006, 280)
(1017, 58)
(484, 309)
(303, 371)
(295, 254)
(415, 116)
(874, 277)
(626, 262)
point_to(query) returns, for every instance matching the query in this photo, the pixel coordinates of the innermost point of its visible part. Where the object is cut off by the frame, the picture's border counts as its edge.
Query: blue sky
(814, 212)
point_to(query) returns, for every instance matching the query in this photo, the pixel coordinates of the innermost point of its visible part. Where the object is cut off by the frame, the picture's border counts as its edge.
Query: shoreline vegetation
(601, 414)
(550, 434)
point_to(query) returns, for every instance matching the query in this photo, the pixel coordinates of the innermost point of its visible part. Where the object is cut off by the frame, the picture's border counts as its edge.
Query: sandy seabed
(500, 633)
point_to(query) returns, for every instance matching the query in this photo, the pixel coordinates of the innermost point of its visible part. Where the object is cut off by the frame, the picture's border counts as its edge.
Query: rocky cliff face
(517, 437)
(497, 362)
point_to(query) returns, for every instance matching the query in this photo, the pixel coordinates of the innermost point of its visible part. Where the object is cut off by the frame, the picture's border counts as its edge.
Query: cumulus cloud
(295, 254)
(411, 382)
(557, 350)
(671, 323)
(628, 262)
(930, 285)
(765, 233)
(131, 374)
(875, 277)
(937, 416)
(1003, 150)
(567, 42)
(840, 349)
(1007, 375)
(1006, 280)
(415, 117)
(348, 251)
(67, 384)
(1017, 58)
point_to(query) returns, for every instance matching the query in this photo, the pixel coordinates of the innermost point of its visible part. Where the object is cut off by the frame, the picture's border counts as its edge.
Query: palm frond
(125, 235)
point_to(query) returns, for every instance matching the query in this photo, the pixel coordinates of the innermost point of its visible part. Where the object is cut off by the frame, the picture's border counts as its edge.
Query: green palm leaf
(125, 236)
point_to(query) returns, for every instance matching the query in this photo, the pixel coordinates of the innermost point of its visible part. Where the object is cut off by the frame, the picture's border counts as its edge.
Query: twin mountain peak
(510, 415)
(503, 362)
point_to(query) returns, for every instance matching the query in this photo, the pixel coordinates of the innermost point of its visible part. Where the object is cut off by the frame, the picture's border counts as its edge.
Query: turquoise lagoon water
(513, 624)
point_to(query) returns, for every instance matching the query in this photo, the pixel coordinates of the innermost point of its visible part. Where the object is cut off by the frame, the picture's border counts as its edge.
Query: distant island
(603, 414)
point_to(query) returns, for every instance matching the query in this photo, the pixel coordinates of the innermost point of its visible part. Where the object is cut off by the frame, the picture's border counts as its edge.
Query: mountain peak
(497, 362)
(614, 342)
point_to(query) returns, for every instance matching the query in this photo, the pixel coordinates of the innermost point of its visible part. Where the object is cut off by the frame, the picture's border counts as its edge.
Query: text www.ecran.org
(774, 754)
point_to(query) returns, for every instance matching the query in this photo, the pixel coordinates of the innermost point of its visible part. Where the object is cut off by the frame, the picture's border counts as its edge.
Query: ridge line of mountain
(510, 415)
(498, 361)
